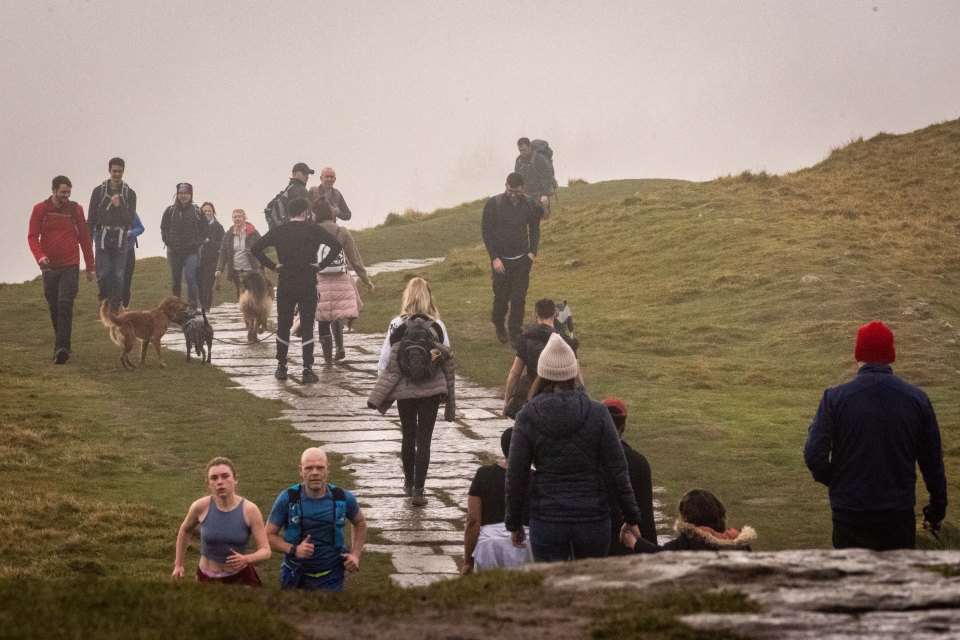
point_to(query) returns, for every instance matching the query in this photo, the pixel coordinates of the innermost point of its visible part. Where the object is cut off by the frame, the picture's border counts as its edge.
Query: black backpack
(543, 148)
(112, 216)
(418, 342)
(276, 209)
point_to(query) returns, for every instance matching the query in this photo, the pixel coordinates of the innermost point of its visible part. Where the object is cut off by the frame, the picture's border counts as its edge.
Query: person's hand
(177, 573)
(44, 261)
(629, 534)
(466, 569)
(115, 200)
(532, 256)
(932, 517)
(498, 265)
(216, 274)
(545, 201)
(369, 284)
(351, 562)
(304, 549)
(90, 276)
(519, 538)
(236, 561)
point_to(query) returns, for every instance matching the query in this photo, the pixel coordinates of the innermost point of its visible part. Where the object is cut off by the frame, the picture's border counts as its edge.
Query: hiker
(227, 522)
(337, 297)
(511, 234)
(486, 542)
(57, 227)
(235, 254)
(573, 443)
(297, 243)
(702, 526)
(209, 255)
(277, 212)
(416, 369)
(312, 516)
(536, 168)
(529, 345)
(640, 480)
(135, 232)
(333, 196)
(110, 217)
(183, 229)
(865, 443)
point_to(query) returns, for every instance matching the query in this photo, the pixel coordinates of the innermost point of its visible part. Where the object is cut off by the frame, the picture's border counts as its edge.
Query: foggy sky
(419, 104)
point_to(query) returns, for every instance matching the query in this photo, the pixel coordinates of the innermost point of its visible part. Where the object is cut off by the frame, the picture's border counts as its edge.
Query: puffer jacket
(392, 385)
(693, 538)
(183, 228)
(574, 445)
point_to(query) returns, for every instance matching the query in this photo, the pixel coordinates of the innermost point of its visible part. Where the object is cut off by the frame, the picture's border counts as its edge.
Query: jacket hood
(249, 228)
(729, 540)
(560, 413)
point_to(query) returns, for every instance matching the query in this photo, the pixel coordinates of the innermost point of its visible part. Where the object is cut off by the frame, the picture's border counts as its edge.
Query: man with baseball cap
(297, 188)
(864, 444)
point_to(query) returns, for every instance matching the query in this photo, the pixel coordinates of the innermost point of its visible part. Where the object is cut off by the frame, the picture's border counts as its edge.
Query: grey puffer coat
(573, 443)
(392, 385)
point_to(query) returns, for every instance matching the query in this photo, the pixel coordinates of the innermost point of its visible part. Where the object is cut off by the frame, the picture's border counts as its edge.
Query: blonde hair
(218, 461)
(418, 299)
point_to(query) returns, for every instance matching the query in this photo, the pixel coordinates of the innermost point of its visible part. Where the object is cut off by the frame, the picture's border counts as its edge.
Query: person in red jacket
(57, 228)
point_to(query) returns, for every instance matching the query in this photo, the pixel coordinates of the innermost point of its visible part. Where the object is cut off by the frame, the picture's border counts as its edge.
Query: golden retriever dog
(256, 298)
(126, 327)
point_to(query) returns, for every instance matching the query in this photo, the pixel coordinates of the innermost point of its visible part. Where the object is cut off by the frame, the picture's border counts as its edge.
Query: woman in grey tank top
(226, 522)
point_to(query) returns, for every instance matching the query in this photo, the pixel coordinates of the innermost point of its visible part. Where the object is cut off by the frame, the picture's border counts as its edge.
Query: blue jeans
(554, 541)
(111, 259)
(292, 577)
(184, 266)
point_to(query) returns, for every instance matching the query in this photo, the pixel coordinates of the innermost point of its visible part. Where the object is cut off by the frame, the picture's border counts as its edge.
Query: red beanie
(875, 344)
(615, 405)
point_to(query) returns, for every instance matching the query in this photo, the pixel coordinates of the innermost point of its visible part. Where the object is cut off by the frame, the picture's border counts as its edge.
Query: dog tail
(108, 318)
(206, 322)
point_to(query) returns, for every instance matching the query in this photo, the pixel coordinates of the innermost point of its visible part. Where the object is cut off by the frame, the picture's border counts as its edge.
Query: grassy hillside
(720, 310)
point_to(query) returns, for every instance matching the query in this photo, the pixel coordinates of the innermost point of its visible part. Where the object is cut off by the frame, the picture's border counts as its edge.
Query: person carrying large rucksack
(417, 370)
(276, 210)
(535, 164)
(111, 217)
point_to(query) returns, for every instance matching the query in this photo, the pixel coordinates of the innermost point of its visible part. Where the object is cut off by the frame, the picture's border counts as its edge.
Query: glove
(933, 515)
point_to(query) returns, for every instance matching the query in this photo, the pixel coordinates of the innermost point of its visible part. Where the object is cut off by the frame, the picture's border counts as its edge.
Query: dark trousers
(128, 275)
(60, 289)
(289, 296)
(510, 290)
(556, 541)
(206, 276)
(877, 530)
(183, 266)
(110, 255)
(417, 418)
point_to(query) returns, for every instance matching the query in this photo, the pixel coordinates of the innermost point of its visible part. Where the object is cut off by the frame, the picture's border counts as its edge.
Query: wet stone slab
(425, 543)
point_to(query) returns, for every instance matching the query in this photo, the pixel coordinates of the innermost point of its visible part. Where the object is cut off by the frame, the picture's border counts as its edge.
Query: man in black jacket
(297, 243)
(864, 444)
(110, 218)
(511, 234)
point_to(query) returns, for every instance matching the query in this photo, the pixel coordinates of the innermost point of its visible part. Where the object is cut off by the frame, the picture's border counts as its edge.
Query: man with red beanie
(57, 227)
(864, 444)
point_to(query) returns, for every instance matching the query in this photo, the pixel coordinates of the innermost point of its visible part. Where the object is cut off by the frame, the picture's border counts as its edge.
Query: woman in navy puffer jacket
(573, 443)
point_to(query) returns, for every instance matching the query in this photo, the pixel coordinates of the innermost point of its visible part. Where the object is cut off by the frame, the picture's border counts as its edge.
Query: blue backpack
(291, 532)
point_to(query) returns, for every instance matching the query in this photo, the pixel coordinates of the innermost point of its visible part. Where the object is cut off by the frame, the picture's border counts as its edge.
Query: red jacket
(55, 233)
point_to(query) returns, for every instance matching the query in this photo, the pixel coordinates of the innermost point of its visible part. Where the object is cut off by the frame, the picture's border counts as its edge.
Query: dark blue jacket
(866, 440)
(574, 445)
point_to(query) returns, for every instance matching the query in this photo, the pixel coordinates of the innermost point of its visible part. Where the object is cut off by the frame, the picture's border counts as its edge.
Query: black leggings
(417, 417)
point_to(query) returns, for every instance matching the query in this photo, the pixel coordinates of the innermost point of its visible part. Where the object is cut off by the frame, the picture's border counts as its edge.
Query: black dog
(197, 331)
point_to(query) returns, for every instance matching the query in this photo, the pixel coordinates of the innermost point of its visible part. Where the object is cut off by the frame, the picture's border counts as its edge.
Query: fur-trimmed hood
(706, 538)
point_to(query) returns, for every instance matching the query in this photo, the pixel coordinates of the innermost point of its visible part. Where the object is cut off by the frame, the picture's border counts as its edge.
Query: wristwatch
(293, 550)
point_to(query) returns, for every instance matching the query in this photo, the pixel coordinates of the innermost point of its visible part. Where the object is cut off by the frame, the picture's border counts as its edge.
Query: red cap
(875, 344)
(617, 405)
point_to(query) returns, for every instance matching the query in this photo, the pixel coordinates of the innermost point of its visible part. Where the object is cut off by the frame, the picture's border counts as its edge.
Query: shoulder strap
(339, 514)
(291, 532)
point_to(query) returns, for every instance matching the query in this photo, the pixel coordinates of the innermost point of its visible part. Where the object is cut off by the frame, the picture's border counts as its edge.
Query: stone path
(424, 543)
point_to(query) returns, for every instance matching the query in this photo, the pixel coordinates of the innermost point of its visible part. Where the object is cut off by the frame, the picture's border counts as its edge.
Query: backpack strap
(339, 515)
(291, 532)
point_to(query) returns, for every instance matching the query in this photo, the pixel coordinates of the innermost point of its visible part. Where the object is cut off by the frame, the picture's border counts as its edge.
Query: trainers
(281, 372)
(309, 377)
(61, 356)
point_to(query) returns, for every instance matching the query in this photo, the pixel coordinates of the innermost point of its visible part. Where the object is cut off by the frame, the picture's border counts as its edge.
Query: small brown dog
(149, 326)
(256, 297)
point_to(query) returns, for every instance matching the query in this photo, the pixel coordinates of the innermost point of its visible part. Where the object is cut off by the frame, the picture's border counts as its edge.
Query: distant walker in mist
(113, 205)
(511, 234)
(535, 164)
(864, 444)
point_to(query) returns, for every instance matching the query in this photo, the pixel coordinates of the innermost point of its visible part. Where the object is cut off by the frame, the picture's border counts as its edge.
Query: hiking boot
(502, 335)
(61, 356)
(309, 377)
(338, 339)
(281, 372)
(418, 499)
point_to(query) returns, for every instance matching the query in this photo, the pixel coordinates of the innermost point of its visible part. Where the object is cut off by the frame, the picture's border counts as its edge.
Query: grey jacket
(392, 385)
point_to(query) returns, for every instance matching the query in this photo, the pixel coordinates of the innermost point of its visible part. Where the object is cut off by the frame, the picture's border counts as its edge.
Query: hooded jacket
(693, 538)
(574, 445)
(225, 261)
(392, 385)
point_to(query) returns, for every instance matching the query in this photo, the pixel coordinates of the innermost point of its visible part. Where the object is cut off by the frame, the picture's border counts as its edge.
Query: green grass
(690, 305)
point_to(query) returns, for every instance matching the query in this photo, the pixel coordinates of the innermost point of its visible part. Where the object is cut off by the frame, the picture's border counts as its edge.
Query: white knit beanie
(557, 361)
